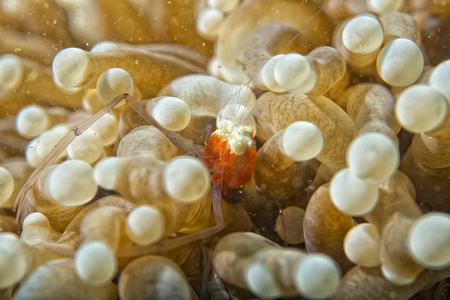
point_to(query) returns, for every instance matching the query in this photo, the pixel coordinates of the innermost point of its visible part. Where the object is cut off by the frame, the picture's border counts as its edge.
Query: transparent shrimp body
(230, 153)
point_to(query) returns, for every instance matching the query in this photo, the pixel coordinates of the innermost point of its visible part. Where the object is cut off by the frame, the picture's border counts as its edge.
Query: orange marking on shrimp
(229, 170)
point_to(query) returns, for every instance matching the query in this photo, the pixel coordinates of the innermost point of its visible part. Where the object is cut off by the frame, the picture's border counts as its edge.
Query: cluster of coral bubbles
(224, 149)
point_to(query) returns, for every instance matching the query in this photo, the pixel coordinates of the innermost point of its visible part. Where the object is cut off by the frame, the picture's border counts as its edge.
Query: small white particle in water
(392, 294)
(437, 188)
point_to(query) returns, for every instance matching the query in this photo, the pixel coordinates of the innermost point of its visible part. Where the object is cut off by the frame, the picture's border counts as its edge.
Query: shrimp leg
(165, 246)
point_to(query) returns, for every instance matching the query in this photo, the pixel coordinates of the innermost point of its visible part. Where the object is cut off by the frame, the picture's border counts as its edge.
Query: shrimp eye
(230, 155)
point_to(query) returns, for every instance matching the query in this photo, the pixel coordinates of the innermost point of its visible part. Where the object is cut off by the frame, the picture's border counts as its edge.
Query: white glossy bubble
(145, 225)
(71, 183)
(186, 179)
(421, 108)
(267, 74)
(68, 68)
(400, 62)
(108, 128)
(106, 172)
(95, 263)
(31, 121)
(292, 70)
(262, 281)
(352, 195)
(362, 245)
(373, 157)
(104, 46)
(403, 278)
(172, 113)
(363, 34)
(38, 148)
(112, 83)
(440, 77)
(209, 22)
(6, 185)
(13, 263)
(223, 5)
(11, 72)
(87, 147)
(302, 141)
(384, 6)
(317, 276)
(429, 240)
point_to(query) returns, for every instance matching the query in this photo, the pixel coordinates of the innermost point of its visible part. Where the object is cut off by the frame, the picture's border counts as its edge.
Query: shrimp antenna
(319, 11)
(244, 117)
(57, 150)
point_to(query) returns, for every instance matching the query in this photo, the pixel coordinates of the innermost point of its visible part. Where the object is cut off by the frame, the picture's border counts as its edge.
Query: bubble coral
(106, 113)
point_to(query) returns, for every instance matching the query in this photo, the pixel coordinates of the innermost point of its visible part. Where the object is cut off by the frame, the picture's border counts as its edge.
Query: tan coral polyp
(276, 112)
